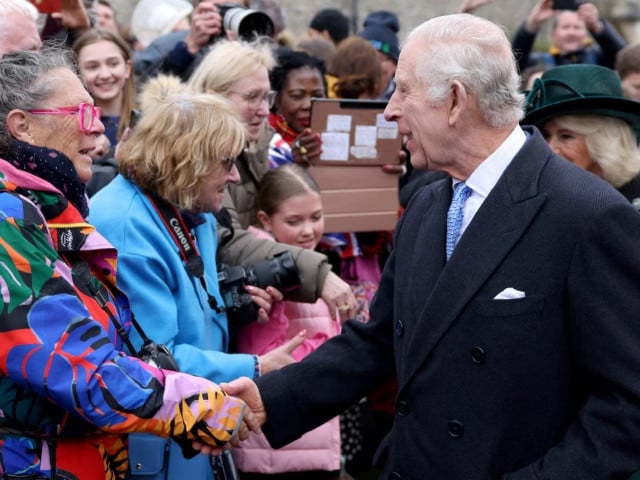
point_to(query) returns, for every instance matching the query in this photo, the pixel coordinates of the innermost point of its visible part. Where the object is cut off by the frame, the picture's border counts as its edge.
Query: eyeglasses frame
(269, 98)
(75, 109)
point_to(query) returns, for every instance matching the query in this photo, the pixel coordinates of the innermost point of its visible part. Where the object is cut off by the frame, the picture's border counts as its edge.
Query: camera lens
(247, 24)
(281, 272)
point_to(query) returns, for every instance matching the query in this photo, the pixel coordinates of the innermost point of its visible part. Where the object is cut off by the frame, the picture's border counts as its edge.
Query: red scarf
(281, 126)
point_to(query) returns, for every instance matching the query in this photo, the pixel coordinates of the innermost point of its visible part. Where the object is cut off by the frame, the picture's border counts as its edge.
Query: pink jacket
(318, 449)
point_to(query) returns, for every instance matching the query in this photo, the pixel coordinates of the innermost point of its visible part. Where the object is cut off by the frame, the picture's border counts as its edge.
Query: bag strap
(180, 234)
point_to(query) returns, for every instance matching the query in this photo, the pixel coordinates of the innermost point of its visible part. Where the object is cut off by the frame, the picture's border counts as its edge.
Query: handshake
(208, 418)
(252, 419)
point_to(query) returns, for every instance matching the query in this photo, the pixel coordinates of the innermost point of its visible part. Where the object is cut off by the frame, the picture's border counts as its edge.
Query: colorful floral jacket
(67, 391)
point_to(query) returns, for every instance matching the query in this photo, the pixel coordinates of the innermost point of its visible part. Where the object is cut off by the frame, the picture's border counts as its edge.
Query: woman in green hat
(582, 113)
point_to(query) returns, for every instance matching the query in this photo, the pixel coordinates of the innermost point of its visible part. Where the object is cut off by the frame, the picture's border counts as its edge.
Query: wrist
(531, 26)
(597, 27)
(256, 368)
(191, 45)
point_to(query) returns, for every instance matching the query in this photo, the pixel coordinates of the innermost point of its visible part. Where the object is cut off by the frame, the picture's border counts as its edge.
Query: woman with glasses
(239, 71)
(70, 385)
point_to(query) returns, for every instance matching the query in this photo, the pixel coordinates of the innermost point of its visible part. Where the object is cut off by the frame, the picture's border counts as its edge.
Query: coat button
(399, 328)
(478, 355)
(456, 428)
(402, 408)
(395, 476)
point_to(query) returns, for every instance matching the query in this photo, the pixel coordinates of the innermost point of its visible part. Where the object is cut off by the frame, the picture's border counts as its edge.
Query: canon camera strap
(181, 236)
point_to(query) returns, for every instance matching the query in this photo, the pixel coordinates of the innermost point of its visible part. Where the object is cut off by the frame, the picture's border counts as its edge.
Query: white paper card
(335, 146)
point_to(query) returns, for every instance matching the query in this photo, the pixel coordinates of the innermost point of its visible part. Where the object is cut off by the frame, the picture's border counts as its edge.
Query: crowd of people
(173, 305)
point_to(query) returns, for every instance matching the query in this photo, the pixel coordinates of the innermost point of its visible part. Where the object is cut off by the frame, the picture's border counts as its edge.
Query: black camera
(245, 23)
(157, 356)
(280, 272)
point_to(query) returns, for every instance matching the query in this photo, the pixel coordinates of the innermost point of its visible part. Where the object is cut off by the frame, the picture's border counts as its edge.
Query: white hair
(20, 6)
(610, 142)
(478, 54)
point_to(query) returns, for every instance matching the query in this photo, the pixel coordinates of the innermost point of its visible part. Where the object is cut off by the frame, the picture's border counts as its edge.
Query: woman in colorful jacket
(69, 389)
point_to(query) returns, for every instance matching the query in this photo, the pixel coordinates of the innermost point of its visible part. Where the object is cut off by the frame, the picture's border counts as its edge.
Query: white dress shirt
(487, 174)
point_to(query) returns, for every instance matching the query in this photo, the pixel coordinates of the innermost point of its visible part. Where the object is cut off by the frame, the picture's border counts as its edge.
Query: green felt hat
(579, 90)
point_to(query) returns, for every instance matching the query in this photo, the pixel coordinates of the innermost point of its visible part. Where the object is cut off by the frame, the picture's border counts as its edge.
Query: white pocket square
(509, 294)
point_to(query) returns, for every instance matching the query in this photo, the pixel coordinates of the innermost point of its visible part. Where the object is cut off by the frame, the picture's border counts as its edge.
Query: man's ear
(264, 220)
(457, 102)
(18, 125)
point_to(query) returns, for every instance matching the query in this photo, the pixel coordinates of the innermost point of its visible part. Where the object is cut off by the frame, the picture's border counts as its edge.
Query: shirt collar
(487, 174)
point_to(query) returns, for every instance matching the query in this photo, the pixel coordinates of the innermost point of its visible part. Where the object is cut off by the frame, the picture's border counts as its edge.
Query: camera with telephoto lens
(245, 23)
(157, 356)
(280, 272)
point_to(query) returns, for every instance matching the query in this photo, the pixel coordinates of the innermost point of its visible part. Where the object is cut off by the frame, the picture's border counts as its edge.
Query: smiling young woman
(104, 64)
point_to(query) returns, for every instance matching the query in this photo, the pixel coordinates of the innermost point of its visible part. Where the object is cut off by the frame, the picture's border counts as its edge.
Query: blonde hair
(179, 140)
(229, 61)
(610, 142)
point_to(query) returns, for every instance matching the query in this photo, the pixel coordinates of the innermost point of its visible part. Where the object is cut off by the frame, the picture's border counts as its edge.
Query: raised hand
(281, 356)
(205, 24)
(541, 12)
(73, 15)
(307, 148)
(467, 6)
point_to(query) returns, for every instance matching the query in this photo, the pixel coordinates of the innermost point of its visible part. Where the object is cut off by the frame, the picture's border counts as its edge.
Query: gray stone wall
(509, 13)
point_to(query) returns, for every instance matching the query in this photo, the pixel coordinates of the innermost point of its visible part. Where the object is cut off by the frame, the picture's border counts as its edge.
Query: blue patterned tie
(455, 215)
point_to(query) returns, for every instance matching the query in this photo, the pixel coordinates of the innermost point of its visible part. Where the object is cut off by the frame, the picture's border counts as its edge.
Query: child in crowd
(290, 210)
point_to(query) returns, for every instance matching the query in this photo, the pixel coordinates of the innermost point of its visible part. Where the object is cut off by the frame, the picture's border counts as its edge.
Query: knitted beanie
(381, 29)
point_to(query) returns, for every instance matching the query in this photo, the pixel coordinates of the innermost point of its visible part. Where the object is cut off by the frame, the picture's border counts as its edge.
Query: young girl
(290, 211)
(104, 64)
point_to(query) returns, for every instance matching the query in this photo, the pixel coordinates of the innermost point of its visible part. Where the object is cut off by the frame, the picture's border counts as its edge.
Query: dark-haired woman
(297, 78)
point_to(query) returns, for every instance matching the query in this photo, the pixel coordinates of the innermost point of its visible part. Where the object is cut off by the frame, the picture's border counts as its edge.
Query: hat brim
(627, 110)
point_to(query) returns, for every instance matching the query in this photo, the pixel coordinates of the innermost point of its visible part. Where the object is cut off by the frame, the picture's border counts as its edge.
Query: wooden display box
(357, 195)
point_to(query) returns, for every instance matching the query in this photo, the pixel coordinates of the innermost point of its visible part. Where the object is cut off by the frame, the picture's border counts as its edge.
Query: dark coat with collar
(631, 191)
(541, 387)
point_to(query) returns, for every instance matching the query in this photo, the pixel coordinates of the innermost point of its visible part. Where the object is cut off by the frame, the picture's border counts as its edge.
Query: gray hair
(25, 82)
(20, 7)
(477, 53)
(610, 142)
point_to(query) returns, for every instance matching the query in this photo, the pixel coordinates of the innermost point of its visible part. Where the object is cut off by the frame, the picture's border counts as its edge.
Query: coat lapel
(503, 218)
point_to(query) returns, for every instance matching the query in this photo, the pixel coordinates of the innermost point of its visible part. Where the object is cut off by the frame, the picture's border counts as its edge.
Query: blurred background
(624, 14)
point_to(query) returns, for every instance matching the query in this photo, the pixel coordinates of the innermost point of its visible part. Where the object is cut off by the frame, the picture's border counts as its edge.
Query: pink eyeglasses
(86, 112)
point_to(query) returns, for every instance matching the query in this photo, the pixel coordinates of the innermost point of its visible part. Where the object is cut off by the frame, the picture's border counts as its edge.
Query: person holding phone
(579, 35)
